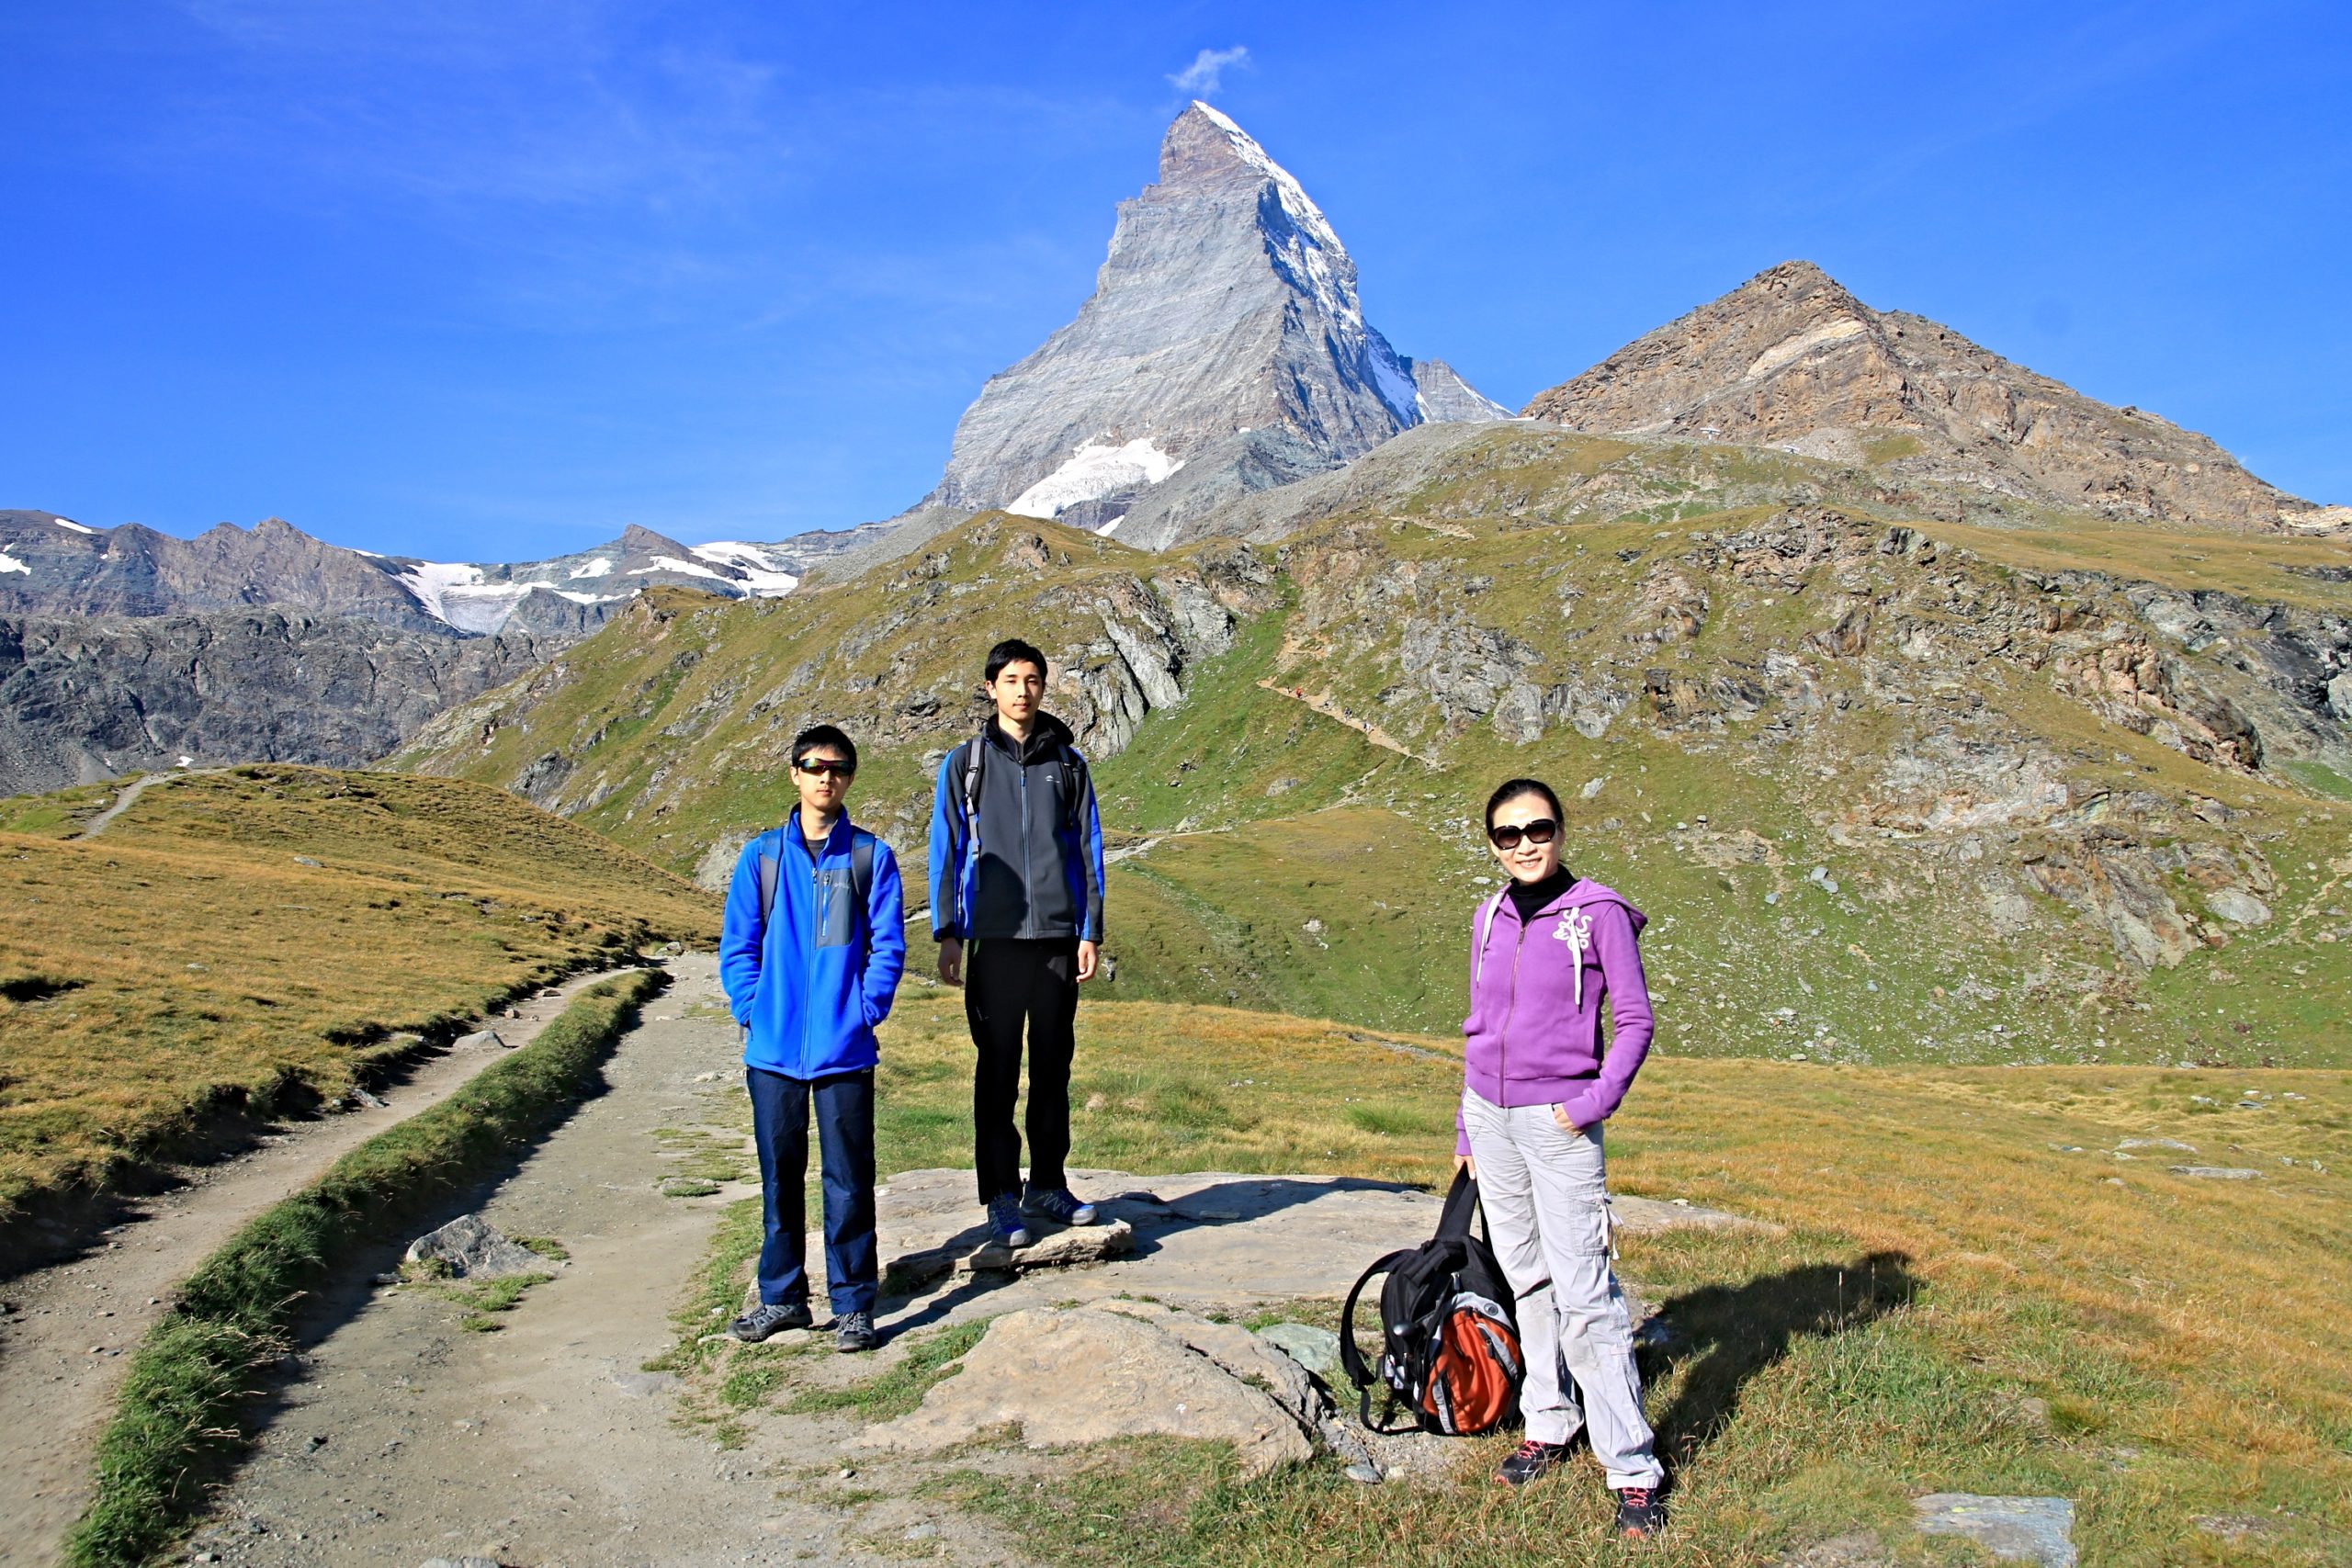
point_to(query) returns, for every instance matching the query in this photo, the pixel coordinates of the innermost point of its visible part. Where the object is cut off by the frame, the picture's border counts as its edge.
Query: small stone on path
(2039, 1530)
(478, 1038)
(474, 1249)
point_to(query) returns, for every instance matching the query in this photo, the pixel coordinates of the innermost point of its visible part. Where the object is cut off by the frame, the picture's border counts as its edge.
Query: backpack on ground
(1450, 1354)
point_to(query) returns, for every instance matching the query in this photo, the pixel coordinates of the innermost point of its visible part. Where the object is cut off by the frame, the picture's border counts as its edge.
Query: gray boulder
(474, 1249)
(2039, 1530)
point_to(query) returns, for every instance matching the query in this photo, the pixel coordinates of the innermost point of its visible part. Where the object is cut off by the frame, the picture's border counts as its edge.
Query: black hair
(1514, 789)
(1012, 650)
(818, 735)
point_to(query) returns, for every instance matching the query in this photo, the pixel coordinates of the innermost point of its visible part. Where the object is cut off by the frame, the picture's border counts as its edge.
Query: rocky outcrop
(1224, 338)
(65, 568)
(85, 699)
(1789, 359)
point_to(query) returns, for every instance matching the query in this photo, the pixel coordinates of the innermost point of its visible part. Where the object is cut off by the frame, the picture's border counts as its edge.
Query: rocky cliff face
(1224, 333)
(84, 698)
(52, 566)
(1789, 359)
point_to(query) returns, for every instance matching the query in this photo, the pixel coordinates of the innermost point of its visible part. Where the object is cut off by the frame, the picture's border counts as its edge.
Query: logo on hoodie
(1574, 931)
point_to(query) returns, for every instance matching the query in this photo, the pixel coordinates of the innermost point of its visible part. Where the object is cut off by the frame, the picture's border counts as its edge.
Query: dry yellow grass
(2185, 1334)
(191, 959)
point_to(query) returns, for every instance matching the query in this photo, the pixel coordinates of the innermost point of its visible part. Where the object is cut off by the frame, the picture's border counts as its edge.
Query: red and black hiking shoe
(1639, 1516)
(1528, 1460)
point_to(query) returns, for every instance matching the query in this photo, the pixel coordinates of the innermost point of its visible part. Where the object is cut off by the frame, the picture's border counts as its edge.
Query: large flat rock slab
(1209, 1241)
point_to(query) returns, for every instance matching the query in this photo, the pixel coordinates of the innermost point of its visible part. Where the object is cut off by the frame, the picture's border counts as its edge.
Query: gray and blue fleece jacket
(1029, 864)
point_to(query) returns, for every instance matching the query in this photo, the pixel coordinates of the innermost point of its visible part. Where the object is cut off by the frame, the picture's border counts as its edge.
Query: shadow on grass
(1726, 1334)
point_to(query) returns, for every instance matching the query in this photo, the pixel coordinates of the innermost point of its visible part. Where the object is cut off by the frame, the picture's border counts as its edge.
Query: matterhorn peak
(1224, 349)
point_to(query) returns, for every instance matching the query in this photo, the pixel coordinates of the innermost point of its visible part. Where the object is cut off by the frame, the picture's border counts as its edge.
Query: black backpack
(1450, 1341)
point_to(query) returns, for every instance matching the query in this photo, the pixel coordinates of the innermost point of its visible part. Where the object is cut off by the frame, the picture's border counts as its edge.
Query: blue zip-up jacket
(1035, 871)
(809, 984)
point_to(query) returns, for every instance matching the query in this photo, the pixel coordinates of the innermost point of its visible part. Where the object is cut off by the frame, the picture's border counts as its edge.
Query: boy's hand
(1089, 954)
(951, 960)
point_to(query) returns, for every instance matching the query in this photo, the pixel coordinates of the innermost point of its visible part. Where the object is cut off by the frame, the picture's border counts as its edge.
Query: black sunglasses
(1543, 830)
(821, 766)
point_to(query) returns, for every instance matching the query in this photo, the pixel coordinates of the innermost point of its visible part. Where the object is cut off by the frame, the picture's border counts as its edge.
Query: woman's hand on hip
(1560, 1114)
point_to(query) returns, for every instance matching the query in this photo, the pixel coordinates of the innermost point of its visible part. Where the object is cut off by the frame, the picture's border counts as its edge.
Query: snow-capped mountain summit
(1224, 349)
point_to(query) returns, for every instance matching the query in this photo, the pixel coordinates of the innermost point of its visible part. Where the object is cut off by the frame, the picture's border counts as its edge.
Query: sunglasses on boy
(816, 767)
(1543, 830)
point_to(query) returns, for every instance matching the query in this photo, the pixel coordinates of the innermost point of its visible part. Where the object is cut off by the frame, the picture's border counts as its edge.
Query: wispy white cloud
(1207, 72)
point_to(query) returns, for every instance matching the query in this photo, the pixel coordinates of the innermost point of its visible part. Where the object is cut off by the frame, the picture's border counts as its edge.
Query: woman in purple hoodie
(1548, 952)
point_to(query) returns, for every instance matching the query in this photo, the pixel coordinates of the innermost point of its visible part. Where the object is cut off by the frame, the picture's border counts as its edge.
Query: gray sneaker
(1004, 1222)
(1059, 1205)
(854, 1332)
(769, 1319)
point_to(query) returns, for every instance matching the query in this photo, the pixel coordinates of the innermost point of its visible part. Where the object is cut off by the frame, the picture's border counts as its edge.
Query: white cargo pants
(1546, 1194)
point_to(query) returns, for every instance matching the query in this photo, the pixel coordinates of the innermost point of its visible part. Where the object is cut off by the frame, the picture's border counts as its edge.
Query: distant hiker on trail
(1546, 952)
(810, 952)
(1016, 903)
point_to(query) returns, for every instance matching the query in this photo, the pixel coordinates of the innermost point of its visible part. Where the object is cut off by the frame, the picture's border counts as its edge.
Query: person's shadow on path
(1723, 1335)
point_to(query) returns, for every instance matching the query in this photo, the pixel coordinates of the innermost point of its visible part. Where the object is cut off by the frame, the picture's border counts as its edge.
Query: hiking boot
(1059, 1205)
(855, 1332)
(1004, 1221)
(1638, 1514)
(1529, 1459)
(768, 1319)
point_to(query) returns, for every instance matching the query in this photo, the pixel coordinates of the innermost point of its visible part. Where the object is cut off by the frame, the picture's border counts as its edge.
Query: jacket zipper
(1502, 1042)
(1028, 904)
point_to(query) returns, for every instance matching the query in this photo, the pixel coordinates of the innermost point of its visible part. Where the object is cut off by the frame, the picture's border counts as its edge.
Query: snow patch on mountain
(69, 523)
(759, 571)
(672, 563)
(10, 563)
(599, 566)
(1093, 471)
(1396, 388)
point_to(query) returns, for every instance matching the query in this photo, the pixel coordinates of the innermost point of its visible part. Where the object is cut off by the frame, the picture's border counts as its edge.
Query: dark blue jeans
(845, 1105)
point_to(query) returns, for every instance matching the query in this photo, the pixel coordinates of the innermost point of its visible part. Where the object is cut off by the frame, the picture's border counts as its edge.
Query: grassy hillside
(2078, 793)
(1979, 1288)
(258, 936)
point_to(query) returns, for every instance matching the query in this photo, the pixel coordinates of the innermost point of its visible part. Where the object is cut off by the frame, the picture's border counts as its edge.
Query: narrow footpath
(66, 1331)
(1321, 702)
(408, 1438)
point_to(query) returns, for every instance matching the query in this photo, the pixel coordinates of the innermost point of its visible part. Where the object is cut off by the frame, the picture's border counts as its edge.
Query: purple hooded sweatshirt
(1534, 1034)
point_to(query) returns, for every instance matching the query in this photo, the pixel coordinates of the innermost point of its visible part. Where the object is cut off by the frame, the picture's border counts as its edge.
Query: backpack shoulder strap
(1486, 924)
(769, 866)
(861, 867)
(1454, 1220)
(1351, 1359)
(974, 750)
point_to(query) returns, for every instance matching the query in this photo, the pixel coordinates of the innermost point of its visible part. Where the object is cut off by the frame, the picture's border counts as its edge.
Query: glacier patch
(1095, 470)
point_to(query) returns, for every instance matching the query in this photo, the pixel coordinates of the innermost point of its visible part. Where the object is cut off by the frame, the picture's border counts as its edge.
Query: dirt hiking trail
(65, 1343)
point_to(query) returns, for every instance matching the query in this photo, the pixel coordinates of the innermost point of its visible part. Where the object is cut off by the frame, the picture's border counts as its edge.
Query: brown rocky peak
(1791, 360)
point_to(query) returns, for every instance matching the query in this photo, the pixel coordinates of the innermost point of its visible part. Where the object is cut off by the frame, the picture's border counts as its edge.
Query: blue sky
(490, 280)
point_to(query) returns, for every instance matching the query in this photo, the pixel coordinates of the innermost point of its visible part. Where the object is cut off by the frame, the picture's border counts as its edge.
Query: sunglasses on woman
(816, 767)
(1543, 830)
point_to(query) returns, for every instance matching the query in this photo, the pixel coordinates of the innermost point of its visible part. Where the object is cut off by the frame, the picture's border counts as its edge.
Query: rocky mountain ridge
(85, 698)
(53, 566)
(1789, 359)
(1224, 336)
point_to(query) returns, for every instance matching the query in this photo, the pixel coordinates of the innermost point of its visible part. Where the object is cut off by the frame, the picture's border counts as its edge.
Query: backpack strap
(974, 750)
(769, 866)
(1351, 1359)
(1486, 925)
(861, 867)
(1454, 1220)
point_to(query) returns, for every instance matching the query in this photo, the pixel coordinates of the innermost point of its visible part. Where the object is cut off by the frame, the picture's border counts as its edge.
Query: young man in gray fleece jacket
(1016, 905)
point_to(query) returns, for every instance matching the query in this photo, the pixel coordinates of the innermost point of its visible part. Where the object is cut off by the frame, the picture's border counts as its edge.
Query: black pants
(1007, 985)
(844, 1105)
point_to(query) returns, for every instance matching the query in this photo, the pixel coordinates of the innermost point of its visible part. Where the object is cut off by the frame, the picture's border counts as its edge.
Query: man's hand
(1560, 1114)
(1089, 954)
(1469, 1163)
(951, 960)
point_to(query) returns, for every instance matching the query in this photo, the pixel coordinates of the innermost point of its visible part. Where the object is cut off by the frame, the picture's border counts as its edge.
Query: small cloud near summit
(1203, 76)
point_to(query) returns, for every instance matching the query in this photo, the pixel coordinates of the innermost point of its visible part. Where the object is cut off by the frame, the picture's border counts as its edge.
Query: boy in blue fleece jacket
(809, 954)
